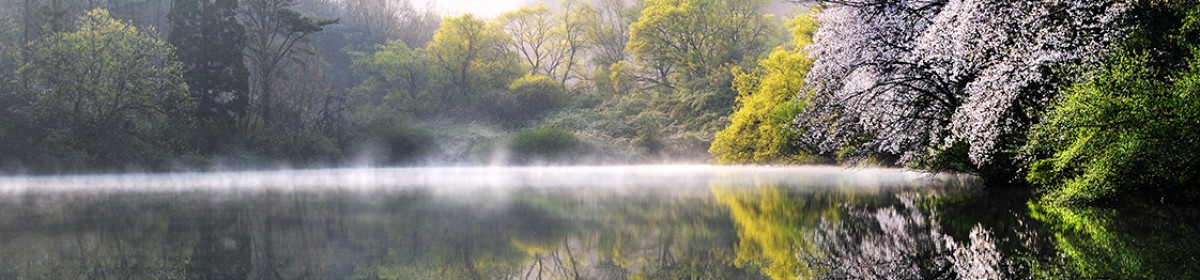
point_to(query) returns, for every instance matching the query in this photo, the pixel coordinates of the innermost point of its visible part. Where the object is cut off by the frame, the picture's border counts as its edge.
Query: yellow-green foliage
(473, 58)
(394, 76)
(688, 41)
(772, 225)
(759, 131)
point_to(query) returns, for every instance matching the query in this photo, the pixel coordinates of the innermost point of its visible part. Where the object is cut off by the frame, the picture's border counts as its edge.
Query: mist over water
(454, 179)
(561, 222)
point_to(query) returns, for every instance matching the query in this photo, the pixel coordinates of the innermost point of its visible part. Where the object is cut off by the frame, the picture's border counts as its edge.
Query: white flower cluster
(912, 77)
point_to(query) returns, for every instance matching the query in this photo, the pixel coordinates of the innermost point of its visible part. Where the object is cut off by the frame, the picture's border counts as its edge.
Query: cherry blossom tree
(915, 78)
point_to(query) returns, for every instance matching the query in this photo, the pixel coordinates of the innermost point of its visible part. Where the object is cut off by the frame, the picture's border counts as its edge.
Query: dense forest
(1092, 100)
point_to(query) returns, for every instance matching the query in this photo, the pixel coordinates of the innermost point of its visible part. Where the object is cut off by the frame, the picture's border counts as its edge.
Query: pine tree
(209, 42)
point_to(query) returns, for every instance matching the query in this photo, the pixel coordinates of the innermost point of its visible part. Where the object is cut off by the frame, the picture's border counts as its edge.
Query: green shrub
(527, 98)
(543, 144)
(311, 145)
(1129, 129)
(390, 140)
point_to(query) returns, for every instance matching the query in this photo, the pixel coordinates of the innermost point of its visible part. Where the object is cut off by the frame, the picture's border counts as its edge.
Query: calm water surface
(639, 222)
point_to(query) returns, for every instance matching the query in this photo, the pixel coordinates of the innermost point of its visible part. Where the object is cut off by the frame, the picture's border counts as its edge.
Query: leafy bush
(388, 139)
(1123, 131)
(310, 146)
(1130, 128)
(545, 144)
(529, 97)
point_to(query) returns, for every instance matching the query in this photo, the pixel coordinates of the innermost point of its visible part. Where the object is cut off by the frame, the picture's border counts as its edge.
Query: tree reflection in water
(398, 235)
(901, 242)
(852, 233)
(758, 230)
(886, 243)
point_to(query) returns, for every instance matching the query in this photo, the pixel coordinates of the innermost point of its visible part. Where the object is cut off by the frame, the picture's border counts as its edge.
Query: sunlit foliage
(691, 40)
(1131, 126)
(395, 76)
(769, 96)
(549, 43)
(474, 58)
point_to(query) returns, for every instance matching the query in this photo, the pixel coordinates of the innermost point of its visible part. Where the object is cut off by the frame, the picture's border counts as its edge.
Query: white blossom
(914, 77)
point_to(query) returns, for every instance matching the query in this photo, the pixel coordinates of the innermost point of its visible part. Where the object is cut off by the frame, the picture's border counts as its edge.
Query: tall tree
(395, 76)
(532, 32)
(573, 21)
(11, 44)
(275, 32)
(209, 41)
(609, 33)
(375, 22)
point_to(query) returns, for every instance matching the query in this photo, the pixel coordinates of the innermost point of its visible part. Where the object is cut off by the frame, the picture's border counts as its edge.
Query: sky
(483, 8)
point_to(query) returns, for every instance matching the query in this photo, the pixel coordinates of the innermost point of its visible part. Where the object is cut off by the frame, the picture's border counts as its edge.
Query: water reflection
(727, 226)
(902, 241)
(1152, 242)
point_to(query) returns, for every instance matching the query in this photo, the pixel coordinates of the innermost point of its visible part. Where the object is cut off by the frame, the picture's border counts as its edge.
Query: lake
(614, 222)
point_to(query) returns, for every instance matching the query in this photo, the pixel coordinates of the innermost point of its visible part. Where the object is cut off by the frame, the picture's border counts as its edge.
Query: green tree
(14, 117)
(209, 41)
(474, 58)
(10, 45)
(573, 22)
(108, 94)
(607, 36)
(760, 130)
(395, 76)
(397, 85)
(1131, 126)
(549, 43)
(696, 39)
(532, 31)
(13, 101)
